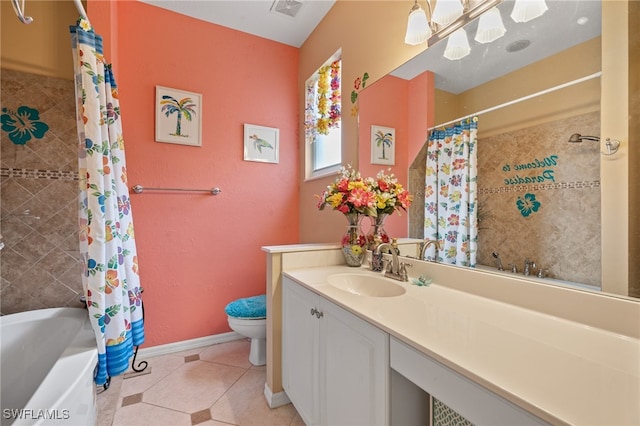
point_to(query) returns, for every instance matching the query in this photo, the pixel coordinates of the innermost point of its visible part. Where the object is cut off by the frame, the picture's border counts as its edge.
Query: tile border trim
(541, 187)
(9, 172)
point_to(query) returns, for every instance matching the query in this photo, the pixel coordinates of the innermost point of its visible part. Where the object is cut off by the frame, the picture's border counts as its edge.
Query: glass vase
(354, 241)
(377, 233)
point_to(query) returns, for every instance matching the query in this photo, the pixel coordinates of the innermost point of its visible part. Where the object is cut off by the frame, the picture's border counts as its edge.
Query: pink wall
(197, 252)
(421, 114)
(385, 103)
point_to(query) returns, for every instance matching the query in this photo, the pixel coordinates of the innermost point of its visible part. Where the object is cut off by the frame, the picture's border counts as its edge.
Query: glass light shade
(457, 45)
(418, 30)
(446, 11)
(490, 26)
(526, 10)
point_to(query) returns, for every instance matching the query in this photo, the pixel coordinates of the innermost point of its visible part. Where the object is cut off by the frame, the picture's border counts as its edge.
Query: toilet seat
(248, 317)
(248, 307)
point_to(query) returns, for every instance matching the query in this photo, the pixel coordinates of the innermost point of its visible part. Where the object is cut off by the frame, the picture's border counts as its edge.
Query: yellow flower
(335, 199)
(356, 249)
(357, 184)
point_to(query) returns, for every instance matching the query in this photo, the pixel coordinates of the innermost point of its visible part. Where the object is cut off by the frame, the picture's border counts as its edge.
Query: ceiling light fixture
(526, 10)
(447, 11)
(451, 15)
(457, 45)
(490, 26)
(418, 30)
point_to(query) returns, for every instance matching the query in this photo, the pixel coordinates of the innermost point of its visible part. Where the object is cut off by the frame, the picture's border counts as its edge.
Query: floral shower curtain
(107, 244)
(451, 211)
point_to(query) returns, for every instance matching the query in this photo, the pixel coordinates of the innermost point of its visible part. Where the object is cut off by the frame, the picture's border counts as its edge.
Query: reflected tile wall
(39, 266)
(563, 235)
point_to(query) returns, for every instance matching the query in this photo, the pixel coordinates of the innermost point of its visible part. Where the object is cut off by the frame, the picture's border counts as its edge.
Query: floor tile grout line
(242, 369)
(159, 406)
(227, 391)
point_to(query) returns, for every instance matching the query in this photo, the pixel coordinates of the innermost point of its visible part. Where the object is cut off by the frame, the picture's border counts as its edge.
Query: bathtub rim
(534, 278)
(81, 351)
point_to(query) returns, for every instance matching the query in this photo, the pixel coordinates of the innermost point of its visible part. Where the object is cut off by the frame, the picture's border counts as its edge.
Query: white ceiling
(556, 30)
(255, 16)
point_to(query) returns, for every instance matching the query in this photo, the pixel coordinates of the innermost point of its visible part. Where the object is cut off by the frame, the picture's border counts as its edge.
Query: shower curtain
(451, 211)
(107, 245)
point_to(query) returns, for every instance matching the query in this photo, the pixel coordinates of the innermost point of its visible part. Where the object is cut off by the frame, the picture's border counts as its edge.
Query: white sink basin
(366, 285)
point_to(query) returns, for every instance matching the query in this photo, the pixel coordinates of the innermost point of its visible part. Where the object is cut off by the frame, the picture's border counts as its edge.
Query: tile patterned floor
(210, 386)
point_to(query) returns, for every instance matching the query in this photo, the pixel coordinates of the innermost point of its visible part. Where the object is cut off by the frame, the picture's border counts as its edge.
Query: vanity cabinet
(335, 365)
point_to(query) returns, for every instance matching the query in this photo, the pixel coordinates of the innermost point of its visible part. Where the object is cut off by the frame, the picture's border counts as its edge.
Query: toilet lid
(248, 307)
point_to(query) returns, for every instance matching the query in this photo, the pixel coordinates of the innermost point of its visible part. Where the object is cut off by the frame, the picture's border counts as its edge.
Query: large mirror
(534, 87)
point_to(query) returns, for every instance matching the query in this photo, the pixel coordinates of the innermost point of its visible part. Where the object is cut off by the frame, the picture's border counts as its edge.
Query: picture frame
(261, 143)
(178, 116)
(383, 145)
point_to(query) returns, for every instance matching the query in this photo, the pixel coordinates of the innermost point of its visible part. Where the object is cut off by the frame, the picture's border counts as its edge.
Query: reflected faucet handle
(403, 270)
(387, 265)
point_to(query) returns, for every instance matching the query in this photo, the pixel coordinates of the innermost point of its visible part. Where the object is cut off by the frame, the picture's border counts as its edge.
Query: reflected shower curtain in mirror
(451, 214)
(107, 245)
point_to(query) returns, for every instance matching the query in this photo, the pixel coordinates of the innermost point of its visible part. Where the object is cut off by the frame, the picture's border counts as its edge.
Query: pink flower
(405, 199)
(361, 198)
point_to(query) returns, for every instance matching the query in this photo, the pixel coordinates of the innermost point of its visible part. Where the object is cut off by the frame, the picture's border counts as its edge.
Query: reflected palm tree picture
(382, 145)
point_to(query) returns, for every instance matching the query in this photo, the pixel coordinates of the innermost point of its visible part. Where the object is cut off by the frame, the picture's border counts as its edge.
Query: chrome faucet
(496, 256)
(396, 269)
(427, 243)
(528, 266)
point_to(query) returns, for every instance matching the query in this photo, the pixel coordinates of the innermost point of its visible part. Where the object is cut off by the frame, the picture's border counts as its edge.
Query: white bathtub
(540, 280)
(48, 358)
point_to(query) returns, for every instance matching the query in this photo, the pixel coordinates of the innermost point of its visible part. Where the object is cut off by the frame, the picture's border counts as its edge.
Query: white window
(323, 134)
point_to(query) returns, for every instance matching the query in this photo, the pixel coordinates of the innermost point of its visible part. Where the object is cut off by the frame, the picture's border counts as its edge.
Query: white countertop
(560, 370)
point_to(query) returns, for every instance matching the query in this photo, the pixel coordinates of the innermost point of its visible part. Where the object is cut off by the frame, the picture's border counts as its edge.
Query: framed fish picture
(261, 143)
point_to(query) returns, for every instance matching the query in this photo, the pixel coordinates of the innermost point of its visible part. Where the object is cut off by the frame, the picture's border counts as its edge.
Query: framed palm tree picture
(383, 145)
(178, 116)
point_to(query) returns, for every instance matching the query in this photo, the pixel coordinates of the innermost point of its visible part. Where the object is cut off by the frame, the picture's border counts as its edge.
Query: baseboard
(277, 399)
(185, 345)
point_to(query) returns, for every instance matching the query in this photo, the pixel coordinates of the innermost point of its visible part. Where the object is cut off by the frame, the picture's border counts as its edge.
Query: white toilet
(248, 317)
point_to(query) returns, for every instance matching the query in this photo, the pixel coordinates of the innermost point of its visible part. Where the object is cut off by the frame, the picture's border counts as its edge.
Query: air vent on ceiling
(286, 7)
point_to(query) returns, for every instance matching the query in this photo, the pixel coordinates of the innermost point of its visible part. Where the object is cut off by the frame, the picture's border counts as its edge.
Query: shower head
(577, 138)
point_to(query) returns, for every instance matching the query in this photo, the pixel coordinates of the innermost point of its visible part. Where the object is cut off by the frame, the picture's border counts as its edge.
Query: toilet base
(258, 352)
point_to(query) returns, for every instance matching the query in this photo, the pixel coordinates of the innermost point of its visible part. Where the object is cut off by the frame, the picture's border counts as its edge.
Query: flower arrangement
(390, 195)
(355, 197)
(349, 194)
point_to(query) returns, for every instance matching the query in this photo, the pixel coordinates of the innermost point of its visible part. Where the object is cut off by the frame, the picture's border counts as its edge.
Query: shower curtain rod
(80, 9)
(18, 7)
(524, 98)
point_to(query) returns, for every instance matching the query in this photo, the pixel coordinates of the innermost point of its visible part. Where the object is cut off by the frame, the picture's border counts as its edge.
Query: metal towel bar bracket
(138, 189)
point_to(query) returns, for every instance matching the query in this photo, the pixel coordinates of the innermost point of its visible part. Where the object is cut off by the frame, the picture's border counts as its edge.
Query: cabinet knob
(313, 311)
(319, 314)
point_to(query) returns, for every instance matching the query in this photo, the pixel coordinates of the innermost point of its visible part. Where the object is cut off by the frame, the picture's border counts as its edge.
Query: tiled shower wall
(563, 235)
(39, 266)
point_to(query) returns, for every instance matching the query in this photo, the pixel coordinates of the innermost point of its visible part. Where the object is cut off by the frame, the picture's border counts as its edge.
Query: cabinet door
(300, 349)
(354, 366)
